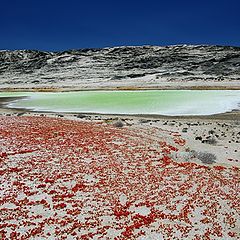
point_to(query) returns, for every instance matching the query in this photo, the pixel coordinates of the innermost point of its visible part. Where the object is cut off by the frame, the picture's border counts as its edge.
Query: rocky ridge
(146, 66)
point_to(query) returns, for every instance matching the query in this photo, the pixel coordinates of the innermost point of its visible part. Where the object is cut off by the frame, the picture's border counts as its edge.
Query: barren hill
(181, 66)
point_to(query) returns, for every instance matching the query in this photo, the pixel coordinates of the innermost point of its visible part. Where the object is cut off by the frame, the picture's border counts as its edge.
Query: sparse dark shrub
(20, 114)
(204, 157)
(118, 124)
(144, 120)
(237, 123)
(211, 141)
(81, 116)
(211, 132)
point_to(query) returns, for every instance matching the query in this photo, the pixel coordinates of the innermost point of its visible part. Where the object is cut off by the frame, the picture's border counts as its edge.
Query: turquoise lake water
(164, 102)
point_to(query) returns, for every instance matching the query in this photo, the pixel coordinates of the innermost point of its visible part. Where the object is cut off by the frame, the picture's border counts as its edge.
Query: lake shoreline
(121, 88)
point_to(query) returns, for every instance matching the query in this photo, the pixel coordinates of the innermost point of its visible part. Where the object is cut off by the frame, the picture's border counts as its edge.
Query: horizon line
(121, 46)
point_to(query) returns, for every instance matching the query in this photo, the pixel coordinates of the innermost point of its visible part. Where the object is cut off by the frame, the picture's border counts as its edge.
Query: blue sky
(73, 24)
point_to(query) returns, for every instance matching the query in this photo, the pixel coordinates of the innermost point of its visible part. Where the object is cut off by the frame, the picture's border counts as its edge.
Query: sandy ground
(216, 134)
(76, 176)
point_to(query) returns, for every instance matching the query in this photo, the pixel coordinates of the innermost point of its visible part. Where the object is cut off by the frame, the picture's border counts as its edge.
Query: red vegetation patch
(62, 178)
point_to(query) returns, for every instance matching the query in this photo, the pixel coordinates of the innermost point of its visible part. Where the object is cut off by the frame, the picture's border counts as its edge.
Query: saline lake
(159, 102)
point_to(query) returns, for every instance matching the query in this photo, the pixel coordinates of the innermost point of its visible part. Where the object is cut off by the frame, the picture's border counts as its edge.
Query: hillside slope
(146, 67)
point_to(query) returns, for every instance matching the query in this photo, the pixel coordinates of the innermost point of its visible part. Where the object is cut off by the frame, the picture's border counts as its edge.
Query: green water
(166, 102)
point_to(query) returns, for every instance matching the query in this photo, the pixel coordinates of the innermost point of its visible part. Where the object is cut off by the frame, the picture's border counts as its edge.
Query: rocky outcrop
(145, 66)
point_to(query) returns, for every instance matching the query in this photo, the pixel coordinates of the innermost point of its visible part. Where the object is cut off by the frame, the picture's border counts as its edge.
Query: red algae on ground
(81, 180)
